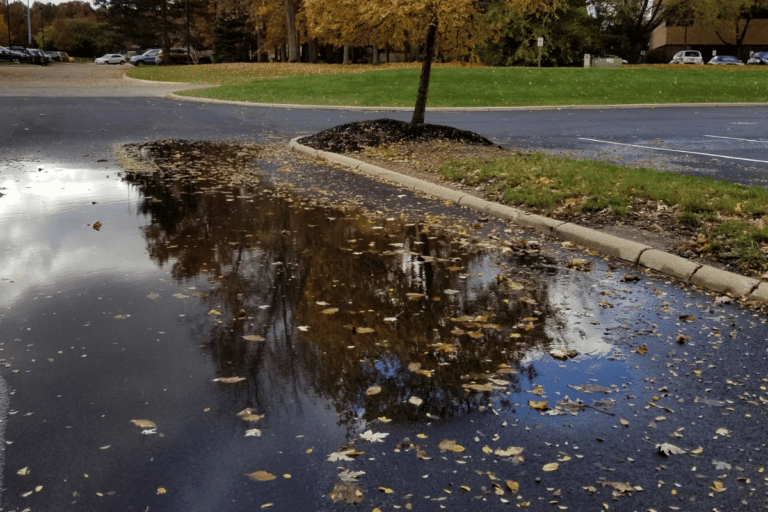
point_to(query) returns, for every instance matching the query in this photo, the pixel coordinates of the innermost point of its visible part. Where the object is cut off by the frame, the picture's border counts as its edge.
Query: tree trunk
(375, 56)
(426, 70)
(313, 50)
(166, 38)
(346, 54)
(293, 32)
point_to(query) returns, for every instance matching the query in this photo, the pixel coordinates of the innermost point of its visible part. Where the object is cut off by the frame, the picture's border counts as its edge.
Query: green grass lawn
(395, 85)
(730, 216)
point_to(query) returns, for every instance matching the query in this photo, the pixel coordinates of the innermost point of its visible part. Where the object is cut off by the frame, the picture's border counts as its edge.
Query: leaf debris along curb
(635, 253)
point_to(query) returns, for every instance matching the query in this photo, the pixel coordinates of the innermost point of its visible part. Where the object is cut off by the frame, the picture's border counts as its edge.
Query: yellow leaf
(267, 505)
(539, 405)
(513, 486)
(386, 490)
(422, 436)
(717, 486)
(642, 349)
(457, 448)
(373, 390)
(465, 488)
(384, 419)
(552, 466)
(262, 476)
(144, 423)
(487, 450)
(624, 422)
(509, 452)
(161, 490)
(97, 225)
(229, 380)
(23, 471)
(253, 337)
(363, 330)
(330, 311)
(214, 312)
(287, 475)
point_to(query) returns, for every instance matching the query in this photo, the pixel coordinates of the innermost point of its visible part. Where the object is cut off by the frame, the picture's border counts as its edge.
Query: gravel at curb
(635, 253)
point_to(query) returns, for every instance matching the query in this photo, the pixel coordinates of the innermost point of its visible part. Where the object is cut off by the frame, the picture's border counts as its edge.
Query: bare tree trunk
(166, 38)
(346, 54)
(293, 32)
(375, 56)
(426, 70)
(313, 50)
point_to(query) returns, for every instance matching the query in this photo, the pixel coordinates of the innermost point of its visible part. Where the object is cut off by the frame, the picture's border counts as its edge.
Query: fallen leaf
(161, 490)
(542, 405)
(348, 492)
(253, 432)
(552, 466)
(667, 449)
(512, 485)
(377, 437)
(363, 330)
(97, 225)
(717, 486)
(509, 452)
(330, 311)
(214, 312)
(373, 390)
(415, 401)
(253, 337)
(262, 476)
(153, 296)
(386, 490)
(144, 423)
(624, 422)
(642, 349)
(229, 380)
(23, 471)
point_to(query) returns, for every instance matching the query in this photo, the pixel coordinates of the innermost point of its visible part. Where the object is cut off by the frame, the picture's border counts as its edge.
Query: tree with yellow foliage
(382, 21)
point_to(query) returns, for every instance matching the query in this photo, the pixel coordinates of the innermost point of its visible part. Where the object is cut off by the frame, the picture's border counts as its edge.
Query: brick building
(668, 40)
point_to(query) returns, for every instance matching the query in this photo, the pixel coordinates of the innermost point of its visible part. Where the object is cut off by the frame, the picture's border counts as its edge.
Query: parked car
(40, 54)
(8, 55)
(64, 56)
(54, 56)
(179, 56)
(758, 58)
(29, 55)
(725, 60)
(148, 57)
(687, 57)
(111, 58)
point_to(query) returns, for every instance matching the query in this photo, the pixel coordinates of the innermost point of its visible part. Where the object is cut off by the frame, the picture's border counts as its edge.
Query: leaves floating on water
(373, 390)
(348, 492)
(541, 405)
(377, 437)
(552, 466)
(415, 401)
(253, 337)
(330, 311)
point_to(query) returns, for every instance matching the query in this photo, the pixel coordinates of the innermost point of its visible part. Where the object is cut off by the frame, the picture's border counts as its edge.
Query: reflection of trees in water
(276, 263)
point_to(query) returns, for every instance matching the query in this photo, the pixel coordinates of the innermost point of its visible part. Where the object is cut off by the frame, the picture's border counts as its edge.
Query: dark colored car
(725, 60)
(148, 57)
(759, 58)
(30, 55)
(53, 55)
(179, 56)
(8, 55)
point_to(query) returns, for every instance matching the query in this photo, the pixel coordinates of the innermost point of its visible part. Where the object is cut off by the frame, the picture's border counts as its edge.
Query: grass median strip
(730, 219)
(467, 86)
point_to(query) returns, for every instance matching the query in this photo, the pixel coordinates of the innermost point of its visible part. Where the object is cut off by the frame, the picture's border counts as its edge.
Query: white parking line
(734, 138)
(676, 151)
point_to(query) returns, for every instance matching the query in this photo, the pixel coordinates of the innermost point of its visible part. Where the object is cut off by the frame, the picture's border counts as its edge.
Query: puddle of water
(261, 330)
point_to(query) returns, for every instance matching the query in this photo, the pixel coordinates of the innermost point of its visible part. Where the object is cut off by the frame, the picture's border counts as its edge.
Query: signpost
(540, 43)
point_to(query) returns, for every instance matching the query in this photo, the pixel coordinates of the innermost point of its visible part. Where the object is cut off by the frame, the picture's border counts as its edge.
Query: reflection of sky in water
(46, 239)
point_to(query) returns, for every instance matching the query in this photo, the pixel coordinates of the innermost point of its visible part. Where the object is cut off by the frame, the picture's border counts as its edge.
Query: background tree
(569, 32)
(628, 24)
(232, 39)
(3, 28)
(730, 19)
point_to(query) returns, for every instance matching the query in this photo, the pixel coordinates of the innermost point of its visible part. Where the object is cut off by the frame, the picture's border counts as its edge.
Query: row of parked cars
(694, 57)
(31, 55)
(156, 56)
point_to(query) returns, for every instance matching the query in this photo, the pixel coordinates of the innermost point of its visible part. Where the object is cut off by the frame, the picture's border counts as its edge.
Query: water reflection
(345, 301)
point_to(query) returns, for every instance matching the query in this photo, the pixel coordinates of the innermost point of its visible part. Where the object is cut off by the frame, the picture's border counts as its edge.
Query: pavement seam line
(595, 241)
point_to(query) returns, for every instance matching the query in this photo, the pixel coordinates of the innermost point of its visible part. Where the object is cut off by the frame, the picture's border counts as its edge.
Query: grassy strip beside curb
(730, 218)
(395, 84)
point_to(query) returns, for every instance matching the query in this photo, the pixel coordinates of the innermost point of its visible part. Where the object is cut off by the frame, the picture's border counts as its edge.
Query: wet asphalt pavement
(135, 320)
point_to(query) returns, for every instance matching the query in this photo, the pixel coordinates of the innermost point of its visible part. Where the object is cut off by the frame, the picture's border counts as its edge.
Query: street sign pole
(540, 43)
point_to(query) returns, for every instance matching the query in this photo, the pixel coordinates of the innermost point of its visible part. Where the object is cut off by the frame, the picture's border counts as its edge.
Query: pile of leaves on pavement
(354, 137)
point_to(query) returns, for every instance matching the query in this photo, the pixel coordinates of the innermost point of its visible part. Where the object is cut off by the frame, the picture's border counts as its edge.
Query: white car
(687, 57)
(111, 58)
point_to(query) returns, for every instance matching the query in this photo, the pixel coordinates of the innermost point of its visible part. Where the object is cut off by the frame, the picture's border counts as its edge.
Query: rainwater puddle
(225, 342)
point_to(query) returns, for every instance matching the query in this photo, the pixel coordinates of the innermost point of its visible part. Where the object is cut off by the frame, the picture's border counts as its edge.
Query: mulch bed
(354, 137)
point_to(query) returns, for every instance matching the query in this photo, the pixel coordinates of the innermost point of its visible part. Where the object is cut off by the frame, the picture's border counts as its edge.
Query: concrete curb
(635, 253)
(176, 97)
